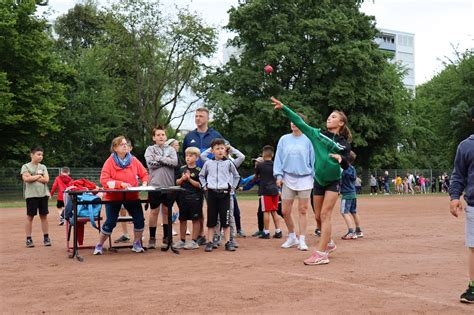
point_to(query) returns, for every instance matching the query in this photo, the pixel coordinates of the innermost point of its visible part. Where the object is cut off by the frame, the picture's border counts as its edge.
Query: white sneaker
(302, 246)
(180, 245)
(191, 245)
(290, 243)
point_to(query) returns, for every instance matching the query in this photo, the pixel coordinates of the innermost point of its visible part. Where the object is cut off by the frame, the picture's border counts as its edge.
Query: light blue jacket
(294, 155)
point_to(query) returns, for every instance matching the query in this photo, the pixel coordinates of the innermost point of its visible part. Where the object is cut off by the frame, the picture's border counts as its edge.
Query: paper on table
(142, 188)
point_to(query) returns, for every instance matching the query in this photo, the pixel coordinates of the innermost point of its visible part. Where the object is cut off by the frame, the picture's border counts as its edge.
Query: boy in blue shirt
(349, 201)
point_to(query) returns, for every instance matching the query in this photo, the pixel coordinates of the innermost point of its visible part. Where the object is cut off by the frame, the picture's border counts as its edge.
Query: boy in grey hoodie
(161, 160)
(218, 177)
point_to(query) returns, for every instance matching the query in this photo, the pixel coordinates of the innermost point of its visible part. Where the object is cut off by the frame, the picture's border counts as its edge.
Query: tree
(156, 58)
(324, 58)
(444, 102)
(30, 72)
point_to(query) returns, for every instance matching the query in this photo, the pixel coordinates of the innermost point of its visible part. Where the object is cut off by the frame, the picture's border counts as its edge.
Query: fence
(11, 184)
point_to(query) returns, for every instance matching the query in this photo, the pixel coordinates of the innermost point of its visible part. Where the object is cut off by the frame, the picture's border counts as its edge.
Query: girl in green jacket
(332, 148)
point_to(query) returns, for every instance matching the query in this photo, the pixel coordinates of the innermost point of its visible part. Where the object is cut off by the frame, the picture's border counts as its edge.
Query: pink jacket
(112, 172)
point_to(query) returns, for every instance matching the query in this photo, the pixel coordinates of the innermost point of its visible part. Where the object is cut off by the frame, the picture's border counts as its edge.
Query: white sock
(292, 236)
(266, 231)
(277, 230)
(302, 238)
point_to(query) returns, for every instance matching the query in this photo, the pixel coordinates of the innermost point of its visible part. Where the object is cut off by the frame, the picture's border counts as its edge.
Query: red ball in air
(268, 69)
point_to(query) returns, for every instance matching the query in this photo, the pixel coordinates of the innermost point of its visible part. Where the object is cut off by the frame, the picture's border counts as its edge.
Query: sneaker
(229, 247)
(191, 245)
(209, 247)
(265, 236)
(152, 243)
(123, 239)
(188, 232)
(302, 246)
(317, 232)
(317, 258)
(29, 243)
(349, 236)
(201, 240)
(257, 233)
(47, 242)
(137, 247)
(98, 250)
(278, 235)
(290, 243)
(331, 247)
(61, 221)
(180, 245)
(164, 245)
(360, 234)
(240, 233)
(234, 243)
(468, 296)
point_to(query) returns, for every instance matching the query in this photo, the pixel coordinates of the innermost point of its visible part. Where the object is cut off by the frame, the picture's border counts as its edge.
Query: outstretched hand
(278, 104)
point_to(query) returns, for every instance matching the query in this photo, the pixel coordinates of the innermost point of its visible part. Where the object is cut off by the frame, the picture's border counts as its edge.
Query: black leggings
(373, 189)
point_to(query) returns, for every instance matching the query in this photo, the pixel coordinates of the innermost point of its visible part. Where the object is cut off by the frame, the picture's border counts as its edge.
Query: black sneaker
(229, 247)
(278, 235)
(265, 236)
(29, 243)
(47, 242)
(201, 240)
(317, 232)
(468, 296)
(209, 247)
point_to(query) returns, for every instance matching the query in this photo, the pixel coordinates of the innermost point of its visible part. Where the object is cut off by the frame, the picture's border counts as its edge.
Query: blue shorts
(348, 206)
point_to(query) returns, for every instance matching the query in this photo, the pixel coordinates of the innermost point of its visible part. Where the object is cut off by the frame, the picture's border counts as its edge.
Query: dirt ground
(412, 259)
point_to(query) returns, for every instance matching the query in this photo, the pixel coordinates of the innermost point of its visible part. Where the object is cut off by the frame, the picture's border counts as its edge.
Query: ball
(268, 69)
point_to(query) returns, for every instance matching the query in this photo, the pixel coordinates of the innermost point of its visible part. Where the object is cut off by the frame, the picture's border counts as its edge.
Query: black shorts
(218, 206)
(190, 206)
(37, 204)
(157, 198)
(319, 190)
(60, 204)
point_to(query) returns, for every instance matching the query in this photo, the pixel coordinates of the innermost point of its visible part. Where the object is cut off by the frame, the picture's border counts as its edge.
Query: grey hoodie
(219, 174)
(161, 161)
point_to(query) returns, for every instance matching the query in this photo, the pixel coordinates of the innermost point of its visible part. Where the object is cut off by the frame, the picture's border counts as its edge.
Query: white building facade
(402, 45)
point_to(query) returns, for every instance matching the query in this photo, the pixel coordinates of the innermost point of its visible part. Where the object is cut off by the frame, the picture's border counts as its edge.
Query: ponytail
(346, 133)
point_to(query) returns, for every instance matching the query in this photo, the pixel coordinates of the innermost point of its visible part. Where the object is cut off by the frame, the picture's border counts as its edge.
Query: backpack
(90, 211)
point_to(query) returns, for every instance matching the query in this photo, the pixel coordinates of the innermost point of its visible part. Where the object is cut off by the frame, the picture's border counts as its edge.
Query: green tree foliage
(32, 93)
(157, 58)
(93, 116)
(324, 58)
(443, 104)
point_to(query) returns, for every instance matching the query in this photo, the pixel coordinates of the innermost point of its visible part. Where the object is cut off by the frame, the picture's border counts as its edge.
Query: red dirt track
(412, 259)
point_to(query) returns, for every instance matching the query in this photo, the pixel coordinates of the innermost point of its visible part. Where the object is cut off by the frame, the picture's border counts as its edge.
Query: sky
(438, 25)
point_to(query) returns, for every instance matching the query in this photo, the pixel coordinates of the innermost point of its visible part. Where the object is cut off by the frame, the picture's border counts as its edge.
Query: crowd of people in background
(410, 183)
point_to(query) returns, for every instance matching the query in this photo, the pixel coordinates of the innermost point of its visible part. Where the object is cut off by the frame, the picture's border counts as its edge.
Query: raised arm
(294, 118)
(205, 155)
(239, 156)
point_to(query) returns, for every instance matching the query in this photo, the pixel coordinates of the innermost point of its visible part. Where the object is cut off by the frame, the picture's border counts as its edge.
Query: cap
(258, 159)
(170, 141)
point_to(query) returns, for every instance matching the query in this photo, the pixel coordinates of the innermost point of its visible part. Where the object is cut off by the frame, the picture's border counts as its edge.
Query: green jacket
(326, 169)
